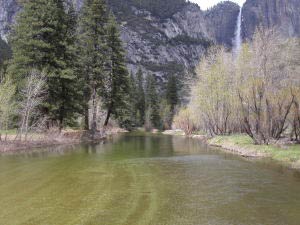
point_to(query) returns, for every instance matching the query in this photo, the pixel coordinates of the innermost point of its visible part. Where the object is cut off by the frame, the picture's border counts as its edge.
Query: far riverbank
(9, 142)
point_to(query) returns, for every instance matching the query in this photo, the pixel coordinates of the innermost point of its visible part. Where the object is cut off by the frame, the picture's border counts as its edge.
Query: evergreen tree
(93, 53)
(140, 96)
(41, 40)
(69, 96)
(152, 103)
(115, 94)
(133, 99)
(5, 54)
(171, 101)
(172, 92)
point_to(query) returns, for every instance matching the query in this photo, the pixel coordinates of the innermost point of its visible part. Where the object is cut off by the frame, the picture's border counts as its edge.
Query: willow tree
(213, 95)
(266, 86)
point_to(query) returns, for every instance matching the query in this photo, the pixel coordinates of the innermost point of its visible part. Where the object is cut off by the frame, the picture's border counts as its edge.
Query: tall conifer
(115, 93)
(41, 40)
(93, 54)
(141, 101)
(152, 102)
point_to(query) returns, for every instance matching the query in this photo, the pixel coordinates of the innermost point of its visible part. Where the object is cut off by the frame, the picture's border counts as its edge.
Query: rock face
(161, 42)
(282, 14)
(222, 21)
(8, 10)
(163, 47)
(170, 36)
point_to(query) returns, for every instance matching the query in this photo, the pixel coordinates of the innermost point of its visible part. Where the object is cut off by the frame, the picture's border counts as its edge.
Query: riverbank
(288, 155)
(9, 143)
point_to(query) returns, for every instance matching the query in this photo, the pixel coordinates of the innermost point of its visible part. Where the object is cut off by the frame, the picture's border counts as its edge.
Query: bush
(184, 120)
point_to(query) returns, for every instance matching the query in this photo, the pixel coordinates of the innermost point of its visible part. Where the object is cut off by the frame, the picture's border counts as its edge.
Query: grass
(8, 132)
(288, 155)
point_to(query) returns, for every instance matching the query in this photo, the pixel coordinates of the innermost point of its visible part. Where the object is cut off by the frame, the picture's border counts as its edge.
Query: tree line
(153, 108)
(68, 68)
(79, 57)
(256, 93)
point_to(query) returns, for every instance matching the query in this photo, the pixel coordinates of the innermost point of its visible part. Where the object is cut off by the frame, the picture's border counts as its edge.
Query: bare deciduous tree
(32, 96)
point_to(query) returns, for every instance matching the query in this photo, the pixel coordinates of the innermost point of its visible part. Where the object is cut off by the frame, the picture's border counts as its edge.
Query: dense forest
(68, 70)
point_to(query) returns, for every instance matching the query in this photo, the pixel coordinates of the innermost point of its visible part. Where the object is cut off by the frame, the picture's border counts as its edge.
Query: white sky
(204, 4)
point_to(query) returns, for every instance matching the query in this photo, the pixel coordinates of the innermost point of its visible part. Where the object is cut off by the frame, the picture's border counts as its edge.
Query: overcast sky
(204, 4)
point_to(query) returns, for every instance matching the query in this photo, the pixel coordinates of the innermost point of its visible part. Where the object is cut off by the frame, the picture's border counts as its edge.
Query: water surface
(144, 180)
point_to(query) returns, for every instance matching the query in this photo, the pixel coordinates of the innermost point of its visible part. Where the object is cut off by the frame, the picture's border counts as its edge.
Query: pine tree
(152, 103)
(41, 40)
(69, 96)
(172, 92)
(5, 54)
(140, 96)
(93, 54)
(172, 100)
(115, 94)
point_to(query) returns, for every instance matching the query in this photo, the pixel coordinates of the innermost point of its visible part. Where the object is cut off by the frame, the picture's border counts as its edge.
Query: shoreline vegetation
(286, 154)
(9, 143)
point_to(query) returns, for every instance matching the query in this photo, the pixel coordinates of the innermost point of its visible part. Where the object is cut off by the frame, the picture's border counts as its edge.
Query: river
(138, 179)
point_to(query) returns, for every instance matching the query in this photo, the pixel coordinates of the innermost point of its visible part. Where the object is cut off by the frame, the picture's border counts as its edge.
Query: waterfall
(237, 43)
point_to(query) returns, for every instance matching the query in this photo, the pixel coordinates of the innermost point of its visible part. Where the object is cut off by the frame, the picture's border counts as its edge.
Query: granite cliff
(281, 14)
(170, 36)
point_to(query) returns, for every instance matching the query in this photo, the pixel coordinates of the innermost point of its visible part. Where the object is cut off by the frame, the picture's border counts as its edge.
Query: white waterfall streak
(237, 43)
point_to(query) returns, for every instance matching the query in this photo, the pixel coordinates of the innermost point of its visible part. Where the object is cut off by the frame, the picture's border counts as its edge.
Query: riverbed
(145, 179)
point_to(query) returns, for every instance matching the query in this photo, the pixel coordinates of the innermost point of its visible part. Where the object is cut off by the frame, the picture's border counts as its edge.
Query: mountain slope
(170, 36)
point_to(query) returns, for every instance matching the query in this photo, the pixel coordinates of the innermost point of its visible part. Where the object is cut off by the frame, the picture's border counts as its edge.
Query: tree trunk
(107, 117)
(94, 111)
(86, 118)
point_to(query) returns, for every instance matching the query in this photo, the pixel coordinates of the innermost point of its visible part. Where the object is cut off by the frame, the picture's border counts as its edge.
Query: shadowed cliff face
(8, 10)
(165, 46)
(222, 20)
(283, 14)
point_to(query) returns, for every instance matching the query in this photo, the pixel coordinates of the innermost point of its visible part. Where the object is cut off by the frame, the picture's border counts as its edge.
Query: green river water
(144, 180)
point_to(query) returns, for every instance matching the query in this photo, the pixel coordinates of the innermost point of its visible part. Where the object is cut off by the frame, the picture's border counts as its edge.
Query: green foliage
(172, 91)
(37, 38)
(115, 94)
(185, 120)
(5, 52)
(43, 39)
(141, 99)
(187, 40)
(289, 155)
(7, 103)
(153, 119)
(92, 53)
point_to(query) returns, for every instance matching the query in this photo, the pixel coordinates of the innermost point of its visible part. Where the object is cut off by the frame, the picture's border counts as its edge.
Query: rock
(164, 38)
(172, 43)
(283, 14)
(222, 20)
